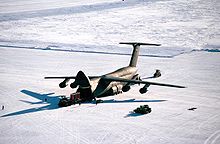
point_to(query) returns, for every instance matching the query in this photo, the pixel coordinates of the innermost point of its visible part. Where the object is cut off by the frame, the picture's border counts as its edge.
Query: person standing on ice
(3, 107)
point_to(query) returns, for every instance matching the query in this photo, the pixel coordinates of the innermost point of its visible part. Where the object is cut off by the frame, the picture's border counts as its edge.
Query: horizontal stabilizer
(136, 49)
(138, 43)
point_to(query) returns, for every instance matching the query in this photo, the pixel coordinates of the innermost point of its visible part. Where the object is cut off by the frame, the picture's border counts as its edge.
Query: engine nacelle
(64, 83)
(143, 90)
(126, 88)
(157, 74)
(73, 85)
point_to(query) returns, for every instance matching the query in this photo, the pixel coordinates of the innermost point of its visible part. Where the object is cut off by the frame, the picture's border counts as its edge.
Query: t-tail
(135, 53)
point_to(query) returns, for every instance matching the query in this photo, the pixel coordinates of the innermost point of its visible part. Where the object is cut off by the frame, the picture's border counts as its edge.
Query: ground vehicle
(73, 99)
(143, 109)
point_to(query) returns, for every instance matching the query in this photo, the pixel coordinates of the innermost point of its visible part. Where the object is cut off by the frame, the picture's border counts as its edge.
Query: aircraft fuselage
(102, 87)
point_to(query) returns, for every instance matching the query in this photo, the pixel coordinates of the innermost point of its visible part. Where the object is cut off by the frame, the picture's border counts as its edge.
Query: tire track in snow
(208, 120)
(17, 124)
(103, 137)
(108, 126)
(213, 138)
(41, 126)
(69, 132)
(125, 136)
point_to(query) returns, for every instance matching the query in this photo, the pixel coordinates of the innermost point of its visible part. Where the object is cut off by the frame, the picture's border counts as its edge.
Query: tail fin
(135, 53)
(84, 86)
(82, 80)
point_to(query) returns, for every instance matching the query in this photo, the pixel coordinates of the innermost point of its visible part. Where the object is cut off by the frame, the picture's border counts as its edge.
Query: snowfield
(53, 37)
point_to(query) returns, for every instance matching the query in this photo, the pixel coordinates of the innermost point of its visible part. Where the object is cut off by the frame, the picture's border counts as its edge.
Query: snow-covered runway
(25, 121)
(41, 38)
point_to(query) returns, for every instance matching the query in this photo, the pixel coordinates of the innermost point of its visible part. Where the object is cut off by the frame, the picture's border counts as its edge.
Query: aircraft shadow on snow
(52, 103)
(130, 101)
(132, 114)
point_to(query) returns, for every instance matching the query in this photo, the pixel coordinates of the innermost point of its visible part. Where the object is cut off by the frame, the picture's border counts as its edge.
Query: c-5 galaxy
(121, 80)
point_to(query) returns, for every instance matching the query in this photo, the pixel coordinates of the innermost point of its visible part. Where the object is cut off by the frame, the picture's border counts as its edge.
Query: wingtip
(182, 87)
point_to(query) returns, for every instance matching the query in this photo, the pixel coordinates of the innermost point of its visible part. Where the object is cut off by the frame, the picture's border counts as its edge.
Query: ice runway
(41, 38)
(29, 120)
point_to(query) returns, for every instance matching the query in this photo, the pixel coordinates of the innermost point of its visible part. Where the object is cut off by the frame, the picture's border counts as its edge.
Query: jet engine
(144, 89)
(64, 83)
(126, 88)
(73, 85)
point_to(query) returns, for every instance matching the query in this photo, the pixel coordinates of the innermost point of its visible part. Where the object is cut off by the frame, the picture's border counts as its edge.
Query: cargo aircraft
(121, 80)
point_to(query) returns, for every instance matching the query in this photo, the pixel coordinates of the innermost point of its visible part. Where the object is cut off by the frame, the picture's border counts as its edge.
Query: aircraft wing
(109, 78)
(69, 77)
(61, 77)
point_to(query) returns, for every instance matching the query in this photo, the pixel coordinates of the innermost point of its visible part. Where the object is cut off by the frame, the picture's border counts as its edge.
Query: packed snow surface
(41, 38)
(98, 25)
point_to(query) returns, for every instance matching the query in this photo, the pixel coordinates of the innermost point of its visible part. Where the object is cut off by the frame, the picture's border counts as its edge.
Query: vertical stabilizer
(135, 54)
(136, 49)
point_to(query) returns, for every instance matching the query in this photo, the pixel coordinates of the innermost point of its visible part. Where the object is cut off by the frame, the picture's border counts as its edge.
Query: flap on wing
(109, 78)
